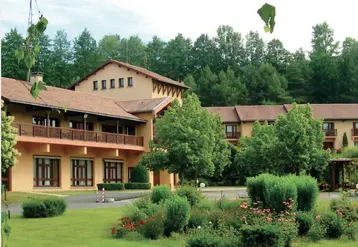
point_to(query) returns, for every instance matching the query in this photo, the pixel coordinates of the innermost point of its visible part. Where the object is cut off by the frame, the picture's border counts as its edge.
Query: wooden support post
(84, 126)
(333, 177)
(48, 123)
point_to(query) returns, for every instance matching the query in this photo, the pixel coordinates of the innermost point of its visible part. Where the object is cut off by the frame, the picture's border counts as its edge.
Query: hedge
(111, 186)
(36, 208)
(137, 186)
(264, 236)
(139, 174)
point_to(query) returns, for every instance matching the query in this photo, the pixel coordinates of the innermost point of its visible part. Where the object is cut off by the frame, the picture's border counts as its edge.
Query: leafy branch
(268, 13)
(30, 51)
(5, 227)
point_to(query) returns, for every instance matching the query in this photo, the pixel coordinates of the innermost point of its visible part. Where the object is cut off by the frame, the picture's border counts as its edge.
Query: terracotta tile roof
(332, 111)
(144, 105)
(19, 92)
(248, 113)
(141, 70)
(227, 113)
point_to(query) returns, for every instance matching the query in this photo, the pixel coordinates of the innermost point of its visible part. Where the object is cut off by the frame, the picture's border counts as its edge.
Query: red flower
(113, 230)
(129, 226)
(128, 220)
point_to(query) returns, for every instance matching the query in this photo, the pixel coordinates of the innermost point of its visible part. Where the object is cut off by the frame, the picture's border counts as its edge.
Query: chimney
(36, 77)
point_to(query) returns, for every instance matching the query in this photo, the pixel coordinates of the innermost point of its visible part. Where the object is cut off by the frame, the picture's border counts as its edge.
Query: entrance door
(156, 178)
(328, 145)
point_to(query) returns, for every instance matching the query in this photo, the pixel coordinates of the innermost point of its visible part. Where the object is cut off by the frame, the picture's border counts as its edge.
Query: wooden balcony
(77, 134)
(330, 132)
(354, 132)
(233, 135)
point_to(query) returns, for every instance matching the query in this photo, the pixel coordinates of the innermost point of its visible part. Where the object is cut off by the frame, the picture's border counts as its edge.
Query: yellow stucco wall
(342, 127)
(22, 172)
(246, 128)
(141, 89)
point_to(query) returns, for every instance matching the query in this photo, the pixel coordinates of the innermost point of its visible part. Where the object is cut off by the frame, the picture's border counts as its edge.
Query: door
(156, 178)
(328, 145)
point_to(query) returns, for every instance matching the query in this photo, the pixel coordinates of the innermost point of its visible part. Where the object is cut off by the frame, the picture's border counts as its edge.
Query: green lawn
(18, 197)
(91, 228)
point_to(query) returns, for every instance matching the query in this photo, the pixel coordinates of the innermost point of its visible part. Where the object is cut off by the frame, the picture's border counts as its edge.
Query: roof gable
(141, 70)
(228, 114)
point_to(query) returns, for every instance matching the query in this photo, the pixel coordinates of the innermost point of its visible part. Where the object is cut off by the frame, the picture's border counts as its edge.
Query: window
(328, 126)
(355, 129)
(112, 171)
(121, 82)
(131, 130)
(46, 172)
(104, 84)
(79, 125)
(130, 174)
(130, 81)
(113, 83)
(355, 125)
(328, 129)
(81, 172)
(43, 121)
(111, 129)
(95, 85)
(230, 131)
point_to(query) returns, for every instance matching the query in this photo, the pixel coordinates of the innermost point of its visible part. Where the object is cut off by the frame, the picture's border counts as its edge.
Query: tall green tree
(133, 51)
(177, 57)
(230, 48)
(10, 66)
(8, 141)
(109, 47)
(155, 52)
(254, 49)
(61, 61)
(191, 141)
(323, 40)
(204, 86)
(205, 53)
(85, 56)
(43, 63)
(277, 55)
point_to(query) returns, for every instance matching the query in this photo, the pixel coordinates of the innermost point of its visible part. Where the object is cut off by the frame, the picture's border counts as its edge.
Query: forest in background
(225, 70)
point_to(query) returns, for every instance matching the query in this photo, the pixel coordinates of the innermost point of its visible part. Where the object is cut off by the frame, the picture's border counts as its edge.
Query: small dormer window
(104, 84)
(113, 83)
(130, 81)
(95, 85)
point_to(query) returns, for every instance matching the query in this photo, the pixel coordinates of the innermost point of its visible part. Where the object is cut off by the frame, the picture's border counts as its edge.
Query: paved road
(88, 201)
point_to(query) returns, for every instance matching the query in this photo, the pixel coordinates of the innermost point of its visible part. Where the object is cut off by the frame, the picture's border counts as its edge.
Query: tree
(155, 51)
(85, 54)
(277, 55)
(109, 47)
(345, 140)
(204, 84)
(294, 144)
(10, 66)
(8, 141)
(254, 49)
(177, 57)
(133, 51)
(43, 63)
(61, 58)
(205, 53)
(299, 142)
(191, 141)
(139, 174)
(323, 40)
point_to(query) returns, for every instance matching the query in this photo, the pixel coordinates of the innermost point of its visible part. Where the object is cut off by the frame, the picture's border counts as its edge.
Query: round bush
(159, 193)
(154, 228)
(139, 174)
(50, 207)
(198, 218)
(192, 194)
(333, 224)
(305, 221)
(307, 192)
(345, 206)
(177, 214)
(316, 232)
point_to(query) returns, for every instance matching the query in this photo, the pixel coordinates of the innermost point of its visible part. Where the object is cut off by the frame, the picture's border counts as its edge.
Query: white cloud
(164, 18)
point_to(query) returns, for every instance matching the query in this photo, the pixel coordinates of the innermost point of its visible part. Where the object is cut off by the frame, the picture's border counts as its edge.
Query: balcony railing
(77, 134)
(233, 135)
(354, 132)
(330, 132)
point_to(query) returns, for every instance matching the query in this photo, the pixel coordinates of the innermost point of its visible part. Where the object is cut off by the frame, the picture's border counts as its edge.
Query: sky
(167, 18)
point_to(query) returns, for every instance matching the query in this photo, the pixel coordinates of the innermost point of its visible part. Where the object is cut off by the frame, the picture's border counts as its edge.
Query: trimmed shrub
(139, 174)
(277, 191)
(152, 209)
(110, 186)
(316, 232)
(177, 214)
(137, 186)
(134, 214)
(205, 204)
(333, 225)
(208, 237)
(142, 202)
(305, 221)
(307, 192)
(198, 218)
(256, 185)
(160, 192)
(44, 208)
(261, 236)
(192, 194)
(154, 227)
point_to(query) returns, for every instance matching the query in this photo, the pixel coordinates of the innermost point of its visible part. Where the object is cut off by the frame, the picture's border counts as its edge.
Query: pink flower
(255, 203)
(243, 218)
(350, 224)
(318, 217)
(294, 214)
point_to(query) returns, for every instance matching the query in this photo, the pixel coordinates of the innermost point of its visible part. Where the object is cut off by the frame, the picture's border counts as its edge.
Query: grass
(91, 228)
(76, 228)
(18, 197)
(74, 192)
